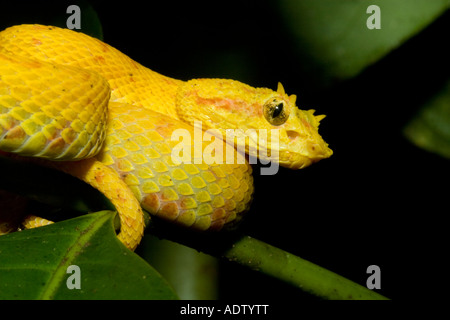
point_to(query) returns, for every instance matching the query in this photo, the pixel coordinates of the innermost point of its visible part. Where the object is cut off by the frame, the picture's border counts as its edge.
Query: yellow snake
(93, 112)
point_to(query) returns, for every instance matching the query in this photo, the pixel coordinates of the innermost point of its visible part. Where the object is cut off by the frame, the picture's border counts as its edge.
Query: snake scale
(89, 110)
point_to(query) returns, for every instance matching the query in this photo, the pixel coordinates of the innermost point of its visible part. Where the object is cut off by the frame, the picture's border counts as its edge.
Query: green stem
(262, 257)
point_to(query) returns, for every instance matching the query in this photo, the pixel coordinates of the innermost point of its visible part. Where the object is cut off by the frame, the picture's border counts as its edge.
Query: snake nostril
(292, 134)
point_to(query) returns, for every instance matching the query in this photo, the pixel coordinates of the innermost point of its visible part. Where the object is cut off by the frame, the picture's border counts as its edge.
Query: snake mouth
(303, 150)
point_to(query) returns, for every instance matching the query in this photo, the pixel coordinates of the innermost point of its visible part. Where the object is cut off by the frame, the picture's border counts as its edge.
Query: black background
(378, 200)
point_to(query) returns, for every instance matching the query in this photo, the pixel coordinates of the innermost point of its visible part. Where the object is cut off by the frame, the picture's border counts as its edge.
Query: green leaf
(430, 128)
(34, 263)
(333, 37)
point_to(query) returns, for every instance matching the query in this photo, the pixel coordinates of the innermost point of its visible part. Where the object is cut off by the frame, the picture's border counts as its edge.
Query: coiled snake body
(98, 115)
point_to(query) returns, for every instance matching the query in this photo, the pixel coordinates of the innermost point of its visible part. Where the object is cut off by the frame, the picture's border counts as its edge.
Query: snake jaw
(303, 144)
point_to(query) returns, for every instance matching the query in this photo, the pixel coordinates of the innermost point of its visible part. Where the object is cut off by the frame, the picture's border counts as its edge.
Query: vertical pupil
(277, 110)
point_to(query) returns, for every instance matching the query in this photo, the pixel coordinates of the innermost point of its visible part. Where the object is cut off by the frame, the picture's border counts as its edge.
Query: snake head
(264, 122)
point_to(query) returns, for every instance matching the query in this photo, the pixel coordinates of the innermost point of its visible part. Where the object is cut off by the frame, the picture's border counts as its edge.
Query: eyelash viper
(91, 111)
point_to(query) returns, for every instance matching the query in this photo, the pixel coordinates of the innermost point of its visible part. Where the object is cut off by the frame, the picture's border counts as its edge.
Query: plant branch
(309, 277)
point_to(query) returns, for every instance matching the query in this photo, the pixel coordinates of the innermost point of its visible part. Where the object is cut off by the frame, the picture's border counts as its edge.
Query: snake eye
(275, 112)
